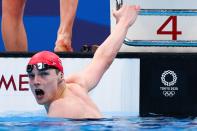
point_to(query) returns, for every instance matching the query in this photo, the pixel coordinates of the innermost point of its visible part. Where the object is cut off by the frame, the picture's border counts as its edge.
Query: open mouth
(39, 92)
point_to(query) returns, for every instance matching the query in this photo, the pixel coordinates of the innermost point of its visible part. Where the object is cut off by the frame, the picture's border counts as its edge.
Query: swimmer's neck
(59, 94)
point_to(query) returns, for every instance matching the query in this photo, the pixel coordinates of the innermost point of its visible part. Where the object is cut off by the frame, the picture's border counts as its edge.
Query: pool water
(34, 123)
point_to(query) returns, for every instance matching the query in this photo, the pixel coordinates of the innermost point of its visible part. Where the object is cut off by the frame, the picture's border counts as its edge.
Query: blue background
(91, 26)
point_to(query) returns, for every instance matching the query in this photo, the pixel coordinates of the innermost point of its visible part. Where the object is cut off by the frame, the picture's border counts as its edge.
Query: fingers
(125, 8)
(137, 7)
(114, 12)
(127, 14)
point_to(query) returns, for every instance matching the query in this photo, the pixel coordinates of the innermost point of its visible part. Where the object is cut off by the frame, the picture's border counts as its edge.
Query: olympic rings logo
(163, 78)
(168, 93)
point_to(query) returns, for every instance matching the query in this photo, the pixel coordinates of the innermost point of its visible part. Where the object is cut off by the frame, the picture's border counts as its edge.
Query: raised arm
(107, 51)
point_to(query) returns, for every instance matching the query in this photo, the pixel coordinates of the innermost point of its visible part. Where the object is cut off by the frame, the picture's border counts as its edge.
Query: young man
(68, 97)
(13, 30)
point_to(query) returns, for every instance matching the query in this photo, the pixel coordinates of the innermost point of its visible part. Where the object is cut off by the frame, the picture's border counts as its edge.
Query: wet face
(44, 85)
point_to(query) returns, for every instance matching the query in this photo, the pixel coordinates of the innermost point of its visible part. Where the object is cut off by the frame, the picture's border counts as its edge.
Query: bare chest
(78, 104)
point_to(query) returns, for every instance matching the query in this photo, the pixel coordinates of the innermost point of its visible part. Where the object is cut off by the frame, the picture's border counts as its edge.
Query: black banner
(168, 85)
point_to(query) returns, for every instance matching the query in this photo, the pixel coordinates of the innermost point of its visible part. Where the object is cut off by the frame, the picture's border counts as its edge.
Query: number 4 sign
(162, 23)
(173, 32)
(163, 31)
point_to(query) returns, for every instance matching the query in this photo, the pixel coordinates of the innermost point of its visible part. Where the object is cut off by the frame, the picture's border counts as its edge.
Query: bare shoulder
(63, 107)
(55, 110)
(76, 81)
(56, 103)
(75, 89)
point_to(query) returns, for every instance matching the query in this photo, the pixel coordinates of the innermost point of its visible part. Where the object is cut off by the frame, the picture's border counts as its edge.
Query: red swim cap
(48, 58)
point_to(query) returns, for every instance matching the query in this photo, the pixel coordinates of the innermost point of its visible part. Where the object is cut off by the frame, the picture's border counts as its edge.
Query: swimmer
(67, 96)
(13, 30)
